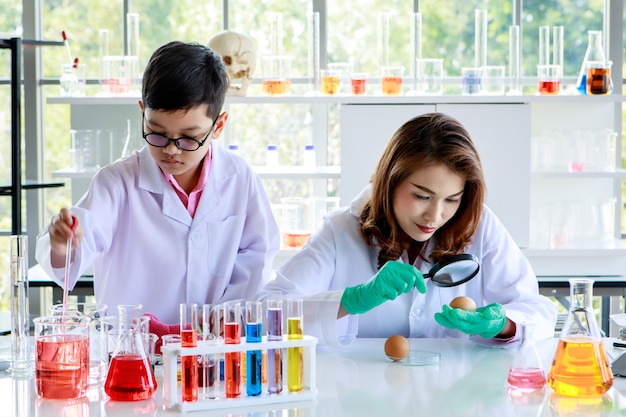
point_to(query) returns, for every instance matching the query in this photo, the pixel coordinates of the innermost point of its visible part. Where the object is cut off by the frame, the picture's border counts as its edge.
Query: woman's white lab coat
(336, 257)
(146, 248)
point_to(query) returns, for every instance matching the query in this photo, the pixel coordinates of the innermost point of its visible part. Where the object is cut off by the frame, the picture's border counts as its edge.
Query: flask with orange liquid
(580, 366)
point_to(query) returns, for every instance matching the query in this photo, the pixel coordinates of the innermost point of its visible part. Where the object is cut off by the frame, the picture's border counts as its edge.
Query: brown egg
(464, 303)
(397, 347)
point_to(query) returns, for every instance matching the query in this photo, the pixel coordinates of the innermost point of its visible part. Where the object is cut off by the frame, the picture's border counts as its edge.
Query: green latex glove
(393, 279)
(487, 321)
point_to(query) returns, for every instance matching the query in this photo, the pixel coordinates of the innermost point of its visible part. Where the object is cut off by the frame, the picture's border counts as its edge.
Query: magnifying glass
(454, 270)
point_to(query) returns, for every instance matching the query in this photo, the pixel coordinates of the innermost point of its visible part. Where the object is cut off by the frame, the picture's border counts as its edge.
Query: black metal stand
(15, 189)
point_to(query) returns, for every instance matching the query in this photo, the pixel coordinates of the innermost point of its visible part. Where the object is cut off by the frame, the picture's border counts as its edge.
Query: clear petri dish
(418, 358)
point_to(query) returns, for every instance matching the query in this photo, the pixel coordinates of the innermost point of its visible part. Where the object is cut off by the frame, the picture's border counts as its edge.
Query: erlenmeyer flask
(130, 376)
(580, 366)
(594, 53)
(526, 372)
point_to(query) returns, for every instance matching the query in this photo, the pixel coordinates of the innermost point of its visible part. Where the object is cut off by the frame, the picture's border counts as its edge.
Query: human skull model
(239, 53)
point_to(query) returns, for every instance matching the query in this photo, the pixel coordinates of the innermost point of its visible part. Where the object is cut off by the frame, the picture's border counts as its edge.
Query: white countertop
(470, 380)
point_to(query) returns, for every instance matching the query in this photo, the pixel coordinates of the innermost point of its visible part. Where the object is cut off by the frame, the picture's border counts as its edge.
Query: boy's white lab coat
(337, 257)
(145, 247)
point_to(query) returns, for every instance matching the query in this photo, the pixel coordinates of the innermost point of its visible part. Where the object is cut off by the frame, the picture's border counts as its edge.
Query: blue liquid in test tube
(253, 360)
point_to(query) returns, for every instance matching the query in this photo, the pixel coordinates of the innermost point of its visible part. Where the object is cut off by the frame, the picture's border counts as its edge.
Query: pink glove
(159, 328)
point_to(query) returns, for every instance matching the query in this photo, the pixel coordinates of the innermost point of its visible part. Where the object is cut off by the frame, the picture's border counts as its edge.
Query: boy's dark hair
(181, 76)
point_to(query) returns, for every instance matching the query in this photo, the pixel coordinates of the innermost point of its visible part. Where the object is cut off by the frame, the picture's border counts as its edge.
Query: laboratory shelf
(263, 172)
(370, 99)
(616, 174)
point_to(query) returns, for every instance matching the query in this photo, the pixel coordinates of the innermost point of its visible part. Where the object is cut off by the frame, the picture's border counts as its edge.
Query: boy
(180, 220)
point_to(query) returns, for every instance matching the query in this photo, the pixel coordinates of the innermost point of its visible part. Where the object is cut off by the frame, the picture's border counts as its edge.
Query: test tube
(515, 67)
(103, 50)
(480, 38)
(544, 45)
(274, 356)
(294, 355)
(208, 371)
(254, 334)
(416, 37)
(232, 360)
(21, 365)
(132, 34)
(557, 48)
(382, 30)
(276, 33)
(189, 339)
(314, 49)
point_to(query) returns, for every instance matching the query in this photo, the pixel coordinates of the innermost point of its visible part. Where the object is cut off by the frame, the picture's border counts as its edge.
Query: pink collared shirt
(191, 201)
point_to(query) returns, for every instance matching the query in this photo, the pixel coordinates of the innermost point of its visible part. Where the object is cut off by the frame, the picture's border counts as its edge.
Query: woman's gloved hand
(393, 279)
(159, 328)
(487, 321)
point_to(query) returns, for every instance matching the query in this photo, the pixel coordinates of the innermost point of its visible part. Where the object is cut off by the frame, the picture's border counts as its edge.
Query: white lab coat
(146, 248)
(336, 257)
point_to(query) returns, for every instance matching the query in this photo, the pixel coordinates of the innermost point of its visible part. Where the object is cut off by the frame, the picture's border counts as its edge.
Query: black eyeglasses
(183, 143)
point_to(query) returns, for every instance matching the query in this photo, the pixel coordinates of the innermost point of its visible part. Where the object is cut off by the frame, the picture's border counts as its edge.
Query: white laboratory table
(469, 380)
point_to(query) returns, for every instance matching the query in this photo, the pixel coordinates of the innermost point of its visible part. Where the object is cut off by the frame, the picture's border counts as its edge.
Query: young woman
(362, 272)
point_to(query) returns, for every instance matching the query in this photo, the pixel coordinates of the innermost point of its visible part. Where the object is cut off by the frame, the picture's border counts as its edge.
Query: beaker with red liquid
(130, 376)
(62, 356)
(580, 367)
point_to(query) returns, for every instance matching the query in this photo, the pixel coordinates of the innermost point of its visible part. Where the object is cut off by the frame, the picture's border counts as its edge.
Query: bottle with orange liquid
(580, 367)
(130, 376)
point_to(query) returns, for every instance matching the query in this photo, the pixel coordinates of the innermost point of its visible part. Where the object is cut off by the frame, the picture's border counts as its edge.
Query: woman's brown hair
(426, 140)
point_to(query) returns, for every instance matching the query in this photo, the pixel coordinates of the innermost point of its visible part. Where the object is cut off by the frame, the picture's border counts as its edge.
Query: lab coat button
(196, 237)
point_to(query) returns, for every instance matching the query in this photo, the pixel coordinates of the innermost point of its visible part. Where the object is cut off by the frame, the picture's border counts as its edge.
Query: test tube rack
(172, 392)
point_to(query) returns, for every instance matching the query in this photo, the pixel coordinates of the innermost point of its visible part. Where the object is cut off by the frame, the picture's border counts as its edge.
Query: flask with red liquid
(580, 367)
(130, 376)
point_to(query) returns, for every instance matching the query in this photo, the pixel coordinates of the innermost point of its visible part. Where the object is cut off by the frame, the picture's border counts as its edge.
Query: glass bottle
(594, 53)
(309, 156)
(271, 156)
(580, 366)
(130, 376)
(526, 372)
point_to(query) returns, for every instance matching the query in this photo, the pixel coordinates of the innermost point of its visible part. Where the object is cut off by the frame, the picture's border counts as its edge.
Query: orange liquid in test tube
(392, 86)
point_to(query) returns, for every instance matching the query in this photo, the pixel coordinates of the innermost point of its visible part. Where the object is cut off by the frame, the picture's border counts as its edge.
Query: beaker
(62, 356)
(580, 367)
(594, 53)
(526, 372)
(130, 376)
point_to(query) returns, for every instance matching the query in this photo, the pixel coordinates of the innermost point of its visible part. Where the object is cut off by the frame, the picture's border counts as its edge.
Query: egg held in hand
(397, 347)
(464, 303)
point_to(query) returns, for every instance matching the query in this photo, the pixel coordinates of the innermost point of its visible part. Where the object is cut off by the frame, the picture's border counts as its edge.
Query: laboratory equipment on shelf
(593, 54)
(580, 366)
(130, 376)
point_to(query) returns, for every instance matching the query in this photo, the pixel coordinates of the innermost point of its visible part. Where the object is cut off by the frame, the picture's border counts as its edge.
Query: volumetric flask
(130, 376)
(526, 372)
(580, 367)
